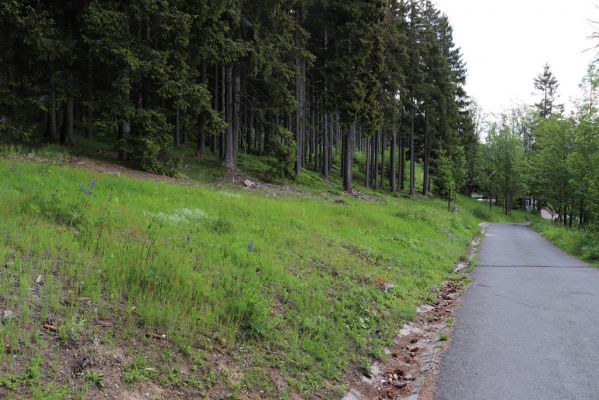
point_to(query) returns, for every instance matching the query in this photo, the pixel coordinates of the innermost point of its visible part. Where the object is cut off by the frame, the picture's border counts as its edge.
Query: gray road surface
(528, 327)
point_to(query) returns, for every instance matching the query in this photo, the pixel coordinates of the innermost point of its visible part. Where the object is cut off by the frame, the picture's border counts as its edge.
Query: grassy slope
(288, 317)
(580, 243)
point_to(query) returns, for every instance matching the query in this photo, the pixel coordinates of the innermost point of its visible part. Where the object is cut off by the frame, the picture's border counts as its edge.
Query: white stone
(424, 309)
(375, 369)
(409, 329)
(353, 395)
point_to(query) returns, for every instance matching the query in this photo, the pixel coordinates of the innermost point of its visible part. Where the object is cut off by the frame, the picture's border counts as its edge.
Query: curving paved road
(528, 327)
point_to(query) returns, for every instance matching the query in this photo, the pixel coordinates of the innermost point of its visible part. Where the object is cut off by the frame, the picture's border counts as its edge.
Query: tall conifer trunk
(367, 153)
(426, 177)
(402, 163)
(201, 144)
(89, 131)
(52, 123)
(325, 146)
(383, 148)
(223, 109)
(236, 114)
(375, 159)
(412, 161)
(229, 136)
(348, 153)
(177, 127)
(393, 167)
(68, 138)
(299, 95)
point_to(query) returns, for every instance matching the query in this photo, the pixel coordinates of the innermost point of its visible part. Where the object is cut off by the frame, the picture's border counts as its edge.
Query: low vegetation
(207, 289)
(582, 243)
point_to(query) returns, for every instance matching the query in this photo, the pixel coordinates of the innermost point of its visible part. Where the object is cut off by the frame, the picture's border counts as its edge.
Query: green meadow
(286, 290)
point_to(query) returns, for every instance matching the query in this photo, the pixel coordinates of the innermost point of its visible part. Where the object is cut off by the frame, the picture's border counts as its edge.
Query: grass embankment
(253, 294)
(582, 243)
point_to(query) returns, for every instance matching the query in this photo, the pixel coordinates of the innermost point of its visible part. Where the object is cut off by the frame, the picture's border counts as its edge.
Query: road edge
(411, 371)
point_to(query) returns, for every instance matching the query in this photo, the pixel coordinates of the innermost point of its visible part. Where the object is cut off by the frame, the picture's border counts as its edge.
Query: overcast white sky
(506, 43)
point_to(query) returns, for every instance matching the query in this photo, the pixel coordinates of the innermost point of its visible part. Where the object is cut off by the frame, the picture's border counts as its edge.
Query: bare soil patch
(108, 168)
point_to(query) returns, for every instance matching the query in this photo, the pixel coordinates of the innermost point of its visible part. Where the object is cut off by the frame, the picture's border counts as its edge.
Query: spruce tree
(546, 84)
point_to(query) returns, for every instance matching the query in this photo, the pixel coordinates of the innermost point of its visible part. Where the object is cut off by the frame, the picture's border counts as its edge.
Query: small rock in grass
(39, 280)
(7, 315)
(50, 328)
(353, 395)
(399, 384)
(387, 287)
(375, 370)
(409, 329)
(425, 308)
(384, 284)
(156, 336)
(447, 297)
(249, 184)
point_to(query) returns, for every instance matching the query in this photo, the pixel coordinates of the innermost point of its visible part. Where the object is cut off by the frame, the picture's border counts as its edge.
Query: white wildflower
(180, 216)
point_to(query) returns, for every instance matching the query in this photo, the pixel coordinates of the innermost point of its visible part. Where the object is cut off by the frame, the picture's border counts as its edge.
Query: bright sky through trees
(506, 43)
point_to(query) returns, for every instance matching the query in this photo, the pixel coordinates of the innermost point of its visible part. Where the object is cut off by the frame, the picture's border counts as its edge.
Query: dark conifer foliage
(309, 83)
(546, 84)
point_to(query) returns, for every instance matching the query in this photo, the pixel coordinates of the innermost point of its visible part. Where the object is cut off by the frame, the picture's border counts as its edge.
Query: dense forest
(331, 86)
(309, 83)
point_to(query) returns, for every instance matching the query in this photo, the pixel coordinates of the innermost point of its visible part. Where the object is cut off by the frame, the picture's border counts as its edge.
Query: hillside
(121, 287)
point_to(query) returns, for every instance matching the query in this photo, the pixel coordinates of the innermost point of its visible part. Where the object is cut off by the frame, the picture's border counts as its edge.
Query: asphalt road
(528, 328)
